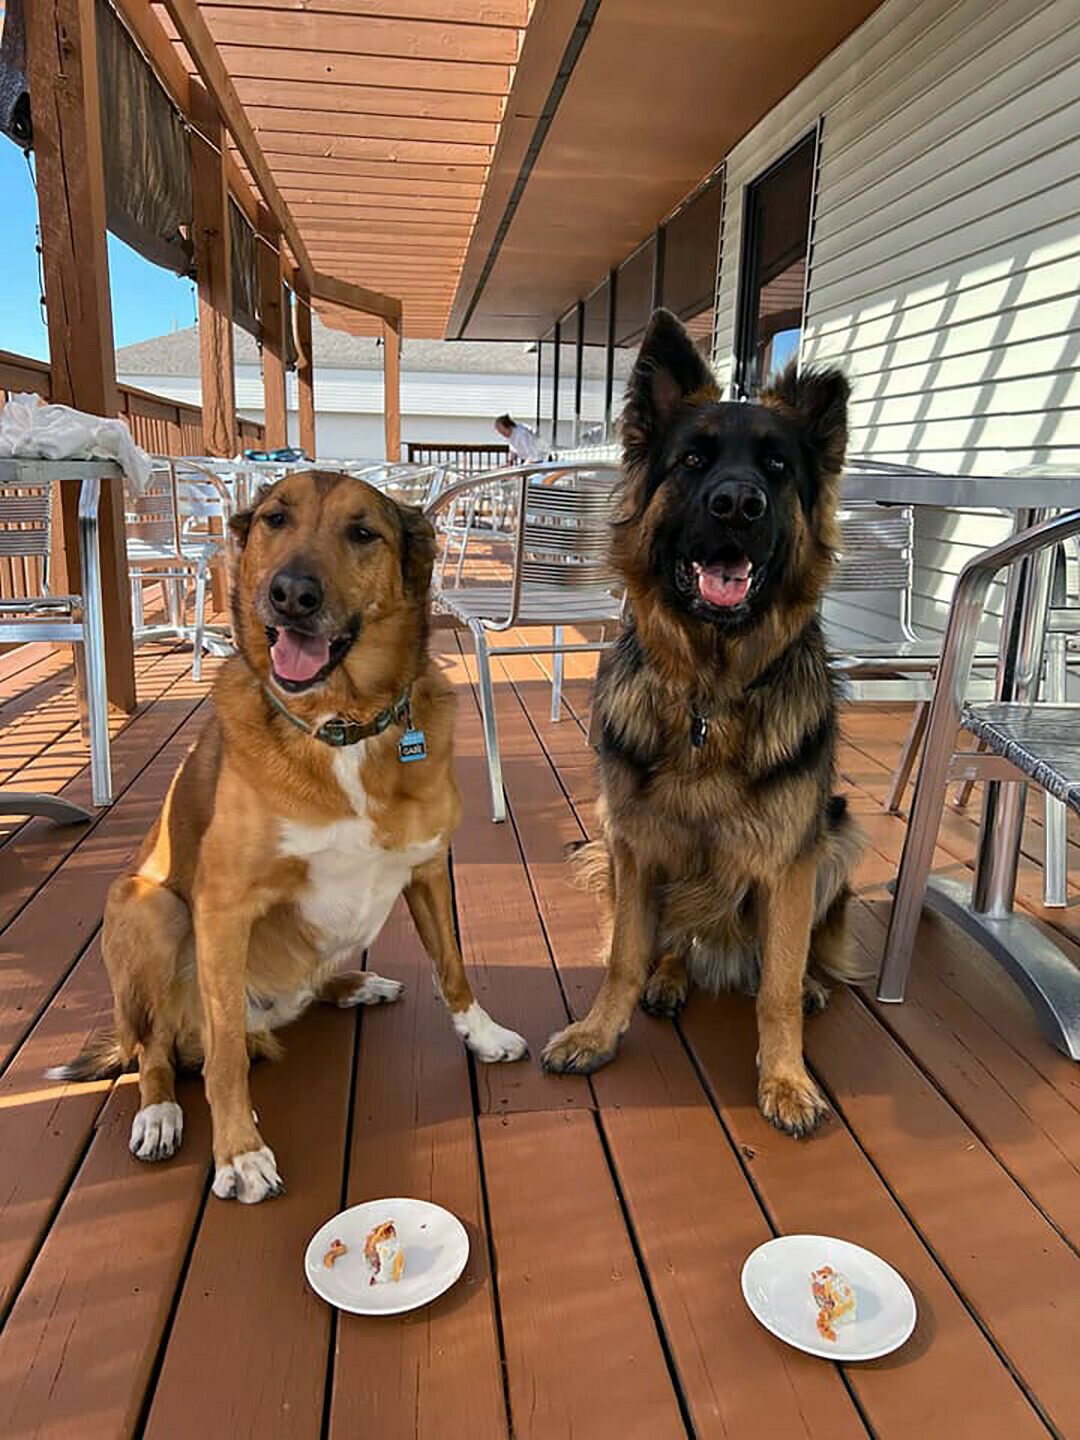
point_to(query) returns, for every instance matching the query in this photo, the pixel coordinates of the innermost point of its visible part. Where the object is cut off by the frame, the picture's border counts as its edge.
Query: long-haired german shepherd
(724, 853)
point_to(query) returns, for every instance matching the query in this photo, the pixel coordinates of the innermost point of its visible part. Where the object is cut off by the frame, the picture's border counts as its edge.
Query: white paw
(374, 990)
(156, 1131)
(249, 1178)
(487, 1040)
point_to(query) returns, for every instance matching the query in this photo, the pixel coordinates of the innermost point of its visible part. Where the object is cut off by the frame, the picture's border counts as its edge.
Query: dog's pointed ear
(418, 547)
(818, 400)
(668, 369)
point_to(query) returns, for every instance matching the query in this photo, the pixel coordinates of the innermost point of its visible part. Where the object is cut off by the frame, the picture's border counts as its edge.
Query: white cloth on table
(32, 430)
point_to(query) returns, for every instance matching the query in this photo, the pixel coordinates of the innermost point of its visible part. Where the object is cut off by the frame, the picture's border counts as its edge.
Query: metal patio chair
(26, 514)
(170, 539)
(878, 556)
(1022, 741)
(560, 576)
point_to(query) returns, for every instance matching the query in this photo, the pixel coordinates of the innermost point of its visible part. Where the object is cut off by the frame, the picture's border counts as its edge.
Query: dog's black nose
(738, 500)
(295, 596)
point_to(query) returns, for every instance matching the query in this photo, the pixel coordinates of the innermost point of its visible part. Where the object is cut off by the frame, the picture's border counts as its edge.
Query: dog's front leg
(587, 1044)
(786, 1094)
(428, 898)
(244, 1167)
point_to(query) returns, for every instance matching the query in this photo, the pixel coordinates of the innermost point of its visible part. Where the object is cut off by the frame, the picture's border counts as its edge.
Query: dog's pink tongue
(298, 657)
(724, 585)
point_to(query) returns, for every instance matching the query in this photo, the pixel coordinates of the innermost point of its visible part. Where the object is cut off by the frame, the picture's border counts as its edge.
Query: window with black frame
(691, 240)
(776, 228)
(567, 413)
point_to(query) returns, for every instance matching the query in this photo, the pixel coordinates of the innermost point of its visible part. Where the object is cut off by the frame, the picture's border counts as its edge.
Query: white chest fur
(352, 880)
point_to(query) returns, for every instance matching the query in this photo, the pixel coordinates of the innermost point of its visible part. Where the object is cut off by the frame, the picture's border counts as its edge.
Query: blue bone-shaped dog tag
(412, 746)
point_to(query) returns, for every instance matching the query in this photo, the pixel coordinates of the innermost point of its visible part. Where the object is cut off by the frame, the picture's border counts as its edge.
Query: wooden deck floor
(609, 1219)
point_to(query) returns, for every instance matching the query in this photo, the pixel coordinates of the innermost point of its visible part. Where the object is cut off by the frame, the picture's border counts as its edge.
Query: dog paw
(156, 1131)
(249, 1178)
(372, 989)
(815, 995)
(793, 1103)
(664, 995)
(487, 1040)
(577, 1050)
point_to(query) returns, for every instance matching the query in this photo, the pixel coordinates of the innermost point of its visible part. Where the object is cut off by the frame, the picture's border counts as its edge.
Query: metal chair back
(26, 535)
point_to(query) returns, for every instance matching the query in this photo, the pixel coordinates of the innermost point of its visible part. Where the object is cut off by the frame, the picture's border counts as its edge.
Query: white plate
(776, 1285)
(436, 1248)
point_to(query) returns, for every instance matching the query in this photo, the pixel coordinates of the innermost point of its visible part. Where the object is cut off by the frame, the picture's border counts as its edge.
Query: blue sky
(146, 300)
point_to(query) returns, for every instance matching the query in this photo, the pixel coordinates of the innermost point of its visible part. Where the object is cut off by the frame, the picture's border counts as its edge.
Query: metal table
(985, 911)
(69, 475)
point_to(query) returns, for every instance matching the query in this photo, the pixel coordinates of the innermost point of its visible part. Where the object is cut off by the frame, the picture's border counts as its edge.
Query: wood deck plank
(501, 937)
(41, 846)
(435, 1374)
(582, 1353)
(45, 1126)
(39, 947)
(249, 1338)
(80, 1344)
(1011, 1265)
(947, 1380)
(694, 1216)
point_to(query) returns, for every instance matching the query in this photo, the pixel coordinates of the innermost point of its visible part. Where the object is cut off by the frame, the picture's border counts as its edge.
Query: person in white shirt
(524, 443)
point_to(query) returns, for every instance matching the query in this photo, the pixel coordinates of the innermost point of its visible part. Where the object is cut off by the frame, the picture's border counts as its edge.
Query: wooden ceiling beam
(514, 13)
(373, 99)
(365, 35)
(321, 165)
(331, 65)
(355, 297)
(372, 192)
(390, 151)
(285, 120)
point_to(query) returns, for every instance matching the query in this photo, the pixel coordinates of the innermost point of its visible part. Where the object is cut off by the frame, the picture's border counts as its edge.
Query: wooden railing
(161, 426)
(459, 457)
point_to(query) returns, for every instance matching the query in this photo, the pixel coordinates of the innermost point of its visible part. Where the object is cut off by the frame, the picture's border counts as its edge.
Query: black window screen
(634, 295)
(568, 332)
(690, 245)
(775, 232)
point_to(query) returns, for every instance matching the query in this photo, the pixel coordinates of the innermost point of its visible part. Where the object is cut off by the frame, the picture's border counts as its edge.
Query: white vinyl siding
(945, 253)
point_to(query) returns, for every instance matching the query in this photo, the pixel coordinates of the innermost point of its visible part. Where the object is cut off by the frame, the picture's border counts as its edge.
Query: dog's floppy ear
(418, 549)
(240, 523)
(818, 399)
(668, 369)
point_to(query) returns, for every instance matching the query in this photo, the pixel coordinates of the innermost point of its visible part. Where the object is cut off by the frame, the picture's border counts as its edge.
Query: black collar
(339, 733)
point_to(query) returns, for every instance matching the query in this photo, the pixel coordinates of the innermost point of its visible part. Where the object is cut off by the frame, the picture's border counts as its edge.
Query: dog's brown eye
(274, 519)
(361, 535)
(692, 460)
(775, 464)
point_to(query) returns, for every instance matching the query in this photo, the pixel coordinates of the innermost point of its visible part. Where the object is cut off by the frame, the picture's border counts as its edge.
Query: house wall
(945, 252)
(436, 407)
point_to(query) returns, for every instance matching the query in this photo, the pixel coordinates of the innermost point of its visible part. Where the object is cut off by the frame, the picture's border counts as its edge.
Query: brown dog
(724, 851)
(321, 790)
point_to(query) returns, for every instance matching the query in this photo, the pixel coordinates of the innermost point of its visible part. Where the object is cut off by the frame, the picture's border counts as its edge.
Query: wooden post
(273, 331)
(305, 373)
(213, 265)
(61, 52)
(392, 388)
